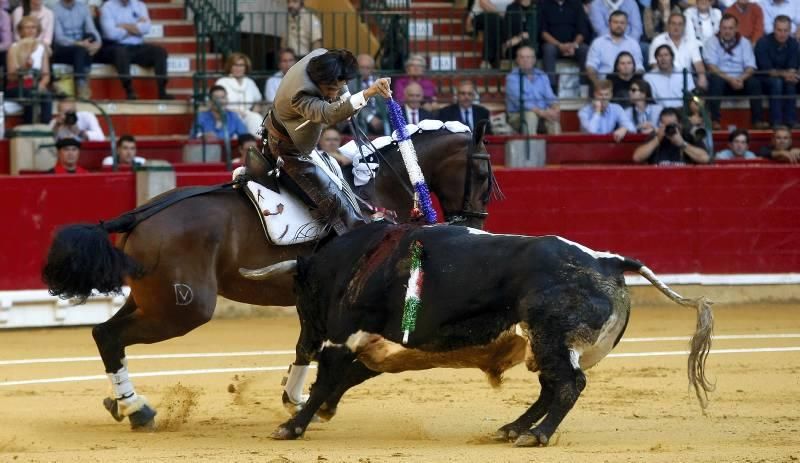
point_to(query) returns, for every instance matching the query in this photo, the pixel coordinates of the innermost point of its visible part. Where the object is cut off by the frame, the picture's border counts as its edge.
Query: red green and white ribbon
(413, 301)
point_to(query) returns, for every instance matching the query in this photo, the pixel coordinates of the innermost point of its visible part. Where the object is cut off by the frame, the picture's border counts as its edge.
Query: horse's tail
(82, 258)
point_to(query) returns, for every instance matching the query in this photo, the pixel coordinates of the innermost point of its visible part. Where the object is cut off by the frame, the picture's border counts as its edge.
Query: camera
(70, 118)
(671, 129)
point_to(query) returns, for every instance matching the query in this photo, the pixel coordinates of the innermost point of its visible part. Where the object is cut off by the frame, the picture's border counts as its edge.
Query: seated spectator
(218, 123)
(749, 17)
(71, 123)
(519, 26)
(68, 153)
(304, 29)
(28, 69)
(781, 149)
(702, 21)
(76, 41)
(603, 117)
(372, 118)
(667, 82)
(487, 16)
(415, 70)
(655, 14)
(246, 142)
(738, 142)
(412, 108)
(6, 39)
(40, 12)
(643, 110)
(671, 145)
(329, 143)
(286, 59)
(536, 99)
(778, 56)
(126, 153)
(774, 8)
(731, 64)
(600, 11)
(244, 98)
(685, 51)
(124, 24)
(564, 34)
(604, 49)
(622, 78)
(465, 111)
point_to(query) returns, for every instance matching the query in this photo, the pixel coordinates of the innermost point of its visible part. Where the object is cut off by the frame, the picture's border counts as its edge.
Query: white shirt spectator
(686, 53)
(702, 26)
(668, 88)
(773, 9)
(87, 122)
(271, 87)
(137, 160)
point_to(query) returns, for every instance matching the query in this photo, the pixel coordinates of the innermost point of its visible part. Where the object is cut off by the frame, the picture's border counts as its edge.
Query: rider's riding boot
(332, 203)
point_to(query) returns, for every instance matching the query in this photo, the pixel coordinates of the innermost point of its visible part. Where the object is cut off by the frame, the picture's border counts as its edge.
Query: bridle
(466, 211)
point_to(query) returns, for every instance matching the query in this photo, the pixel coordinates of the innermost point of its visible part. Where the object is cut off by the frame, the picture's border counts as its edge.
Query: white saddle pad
(286, 219)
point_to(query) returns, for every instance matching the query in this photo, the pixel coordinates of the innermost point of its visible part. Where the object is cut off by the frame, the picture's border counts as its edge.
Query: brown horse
(177, 256)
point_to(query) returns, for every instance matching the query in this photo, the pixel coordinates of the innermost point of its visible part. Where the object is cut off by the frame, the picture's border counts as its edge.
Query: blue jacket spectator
(530, 87)
(215, 122)
(603, 117)
(778, 55)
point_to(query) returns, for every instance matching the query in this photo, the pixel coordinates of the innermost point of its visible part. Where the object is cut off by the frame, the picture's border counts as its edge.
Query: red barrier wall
(32, 207)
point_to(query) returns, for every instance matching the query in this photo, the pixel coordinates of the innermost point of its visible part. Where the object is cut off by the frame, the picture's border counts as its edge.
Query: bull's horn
(265, 273)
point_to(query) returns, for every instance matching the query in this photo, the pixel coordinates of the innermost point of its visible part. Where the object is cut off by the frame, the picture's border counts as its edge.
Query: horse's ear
(480, 131)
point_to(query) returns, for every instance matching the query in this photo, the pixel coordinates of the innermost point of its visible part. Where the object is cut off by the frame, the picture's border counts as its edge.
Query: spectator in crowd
(126, 153)
(738, 143)
(563, 26)
(599, 11)
(371, 119)
(604, 49)
(643, 110)
(781, 147)
(6, 39)
(414, 112)
(685, 50)
(124, 24)
(246, 142)
(218, 122)
(731, 64)
(487, 16)
(528, 91)
(778, 55)
(244, 98)
(304, 29)
(465, 111)
(667, 82)
(76, 41)
(702, 21)
(603, 117)
(415, 72)
(654, 17)
(28, 70)
(774, 8)
(286, 59)
(622, 78)
(671, 145)
(329, 143)
(71, 123)
(519, 26)
(749, 17)
(68, 152)
(40, 12)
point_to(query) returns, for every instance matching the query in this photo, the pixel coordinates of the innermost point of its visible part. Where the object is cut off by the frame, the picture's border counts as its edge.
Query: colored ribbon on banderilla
(422, 196)
(413, 301)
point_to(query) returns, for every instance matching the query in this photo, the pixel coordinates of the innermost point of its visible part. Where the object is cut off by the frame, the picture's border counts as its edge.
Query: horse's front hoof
(531, 438)
(111, 405)
(324, 414)
(143, 419)
(285, 433)
(293, 407)
(507, 433)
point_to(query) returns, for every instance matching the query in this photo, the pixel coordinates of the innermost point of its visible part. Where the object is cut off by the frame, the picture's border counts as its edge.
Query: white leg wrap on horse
(127, 399)
(294, 385)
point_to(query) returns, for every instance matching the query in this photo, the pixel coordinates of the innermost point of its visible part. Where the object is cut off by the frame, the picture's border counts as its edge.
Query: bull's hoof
(286, 433)
(143, 419)
(532, 438)
(111, 405)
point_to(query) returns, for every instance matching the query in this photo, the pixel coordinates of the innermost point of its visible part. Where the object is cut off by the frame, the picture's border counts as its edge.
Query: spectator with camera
(71, 123)
(76, 41)
(671, 145)
(738, 144)
(126, 153)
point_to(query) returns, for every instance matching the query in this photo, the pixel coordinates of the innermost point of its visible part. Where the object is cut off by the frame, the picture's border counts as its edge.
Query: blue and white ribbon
(422, 196)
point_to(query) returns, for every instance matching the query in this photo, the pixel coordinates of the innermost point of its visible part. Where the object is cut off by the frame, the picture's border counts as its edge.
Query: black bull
(488, 301)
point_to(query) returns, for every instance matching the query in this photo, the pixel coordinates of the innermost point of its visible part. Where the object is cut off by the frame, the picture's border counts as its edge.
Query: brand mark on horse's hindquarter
(183, 294)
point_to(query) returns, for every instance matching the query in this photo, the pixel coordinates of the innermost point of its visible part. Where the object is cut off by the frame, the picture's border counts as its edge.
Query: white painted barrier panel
(37, 308)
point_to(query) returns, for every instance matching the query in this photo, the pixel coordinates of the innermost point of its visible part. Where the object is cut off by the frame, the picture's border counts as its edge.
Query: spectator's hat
(64, 142)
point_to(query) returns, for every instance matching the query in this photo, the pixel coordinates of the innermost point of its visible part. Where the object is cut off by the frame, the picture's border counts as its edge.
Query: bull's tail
(701, 340)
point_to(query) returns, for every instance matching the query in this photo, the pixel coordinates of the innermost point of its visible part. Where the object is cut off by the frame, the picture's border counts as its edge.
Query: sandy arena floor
(633, 409)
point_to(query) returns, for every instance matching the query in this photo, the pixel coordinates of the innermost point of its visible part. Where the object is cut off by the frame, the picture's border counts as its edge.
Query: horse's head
(466, 183)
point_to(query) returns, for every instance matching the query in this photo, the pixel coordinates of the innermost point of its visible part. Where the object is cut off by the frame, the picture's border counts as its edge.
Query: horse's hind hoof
(111, 405)
(285, 433)
(531, 439)
(143, 419)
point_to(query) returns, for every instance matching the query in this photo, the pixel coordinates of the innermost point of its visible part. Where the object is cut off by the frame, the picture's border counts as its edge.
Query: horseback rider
(312, 95)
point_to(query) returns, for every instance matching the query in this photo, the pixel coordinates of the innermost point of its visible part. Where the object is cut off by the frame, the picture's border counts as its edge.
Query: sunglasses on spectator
(635, 89)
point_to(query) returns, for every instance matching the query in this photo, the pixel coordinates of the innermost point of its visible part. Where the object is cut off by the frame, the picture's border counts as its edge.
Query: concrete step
(167, 10)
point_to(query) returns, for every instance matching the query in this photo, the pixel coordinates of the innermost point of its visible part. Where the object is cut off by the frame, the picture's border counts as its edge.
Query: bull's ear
(480, 131)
